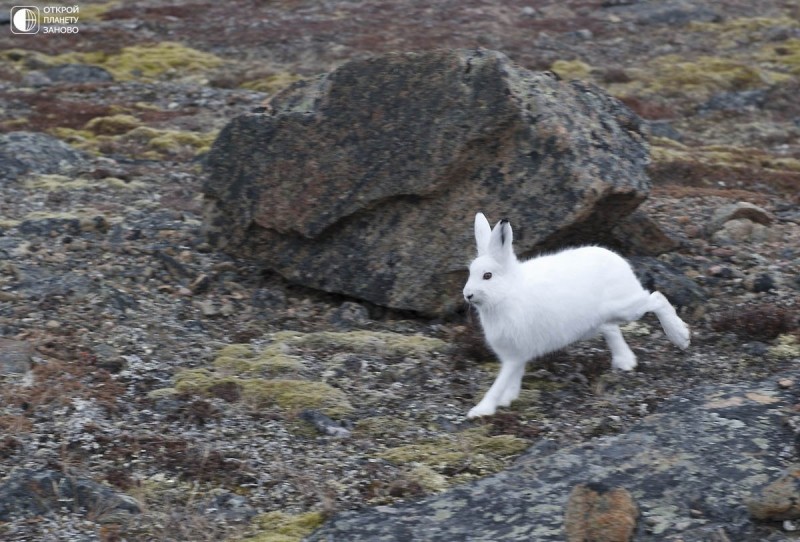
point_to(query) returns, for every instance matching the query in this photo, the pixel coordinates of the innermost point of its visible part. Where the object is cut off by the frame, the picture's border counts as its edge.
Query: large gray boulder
(697, 470)
(365, 181)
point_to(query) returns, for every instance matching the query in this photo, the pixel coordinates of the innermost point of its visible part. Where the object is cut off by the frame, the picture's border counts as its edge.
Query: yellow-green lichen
(703, 76)
(155, 61)
(367, 342)
(286, 394)
(112, 125)
(783, 56)
(140, 141)
(788, 347)
(240, 359)
(571, 69)
(734, 32)
(271, 83)
(470, 453)
(282, 527)
(54, 183)
(137, 62)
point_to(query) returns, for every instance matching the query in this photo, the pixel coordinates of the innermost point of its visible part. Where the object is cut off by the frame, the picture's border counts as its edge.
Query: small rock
(779, 500)
(324, 424)
(15, 356)
(348, 315)
(736, 211)
(32, 152)
(28, 492)
(596, 513)
(78, 73)
(785, 383)
(744, 230)
(762, 283)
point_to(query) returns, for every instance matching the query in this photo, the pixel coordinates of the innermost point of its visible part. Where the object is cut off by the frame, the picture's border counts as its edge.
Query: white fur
(528, 309)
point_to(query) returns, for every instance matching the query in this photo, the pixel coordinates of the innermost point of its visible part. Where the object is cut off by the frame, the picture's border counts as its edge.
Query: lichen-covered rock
(365, 181)
(22, 153)
(596, 513)
(28, 492)
(690, 468)
(779, 500)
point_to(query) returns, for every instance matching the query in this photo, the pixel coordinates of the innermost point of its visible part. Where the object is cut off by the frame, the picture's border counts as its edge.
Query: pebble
(785, 383)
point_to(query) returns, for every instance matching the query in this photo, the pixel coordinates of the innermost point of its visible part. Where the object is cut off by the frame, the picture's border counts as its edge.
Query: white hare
(530, 308)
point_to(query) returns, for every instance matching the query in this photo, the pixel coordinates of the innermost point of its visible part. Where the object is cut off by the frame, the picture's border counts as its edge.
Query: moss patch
(271, 83)
(462, 456)
(165, 60)
(788, 347)
(139, 141)
(286, 394)
(366, 342)
(282, 527)
(55, 183)
(571, 69)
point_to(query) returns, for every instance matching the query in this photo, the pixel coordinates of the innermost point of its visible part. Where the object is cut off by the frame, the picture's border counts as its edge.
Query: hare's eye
(487, 276)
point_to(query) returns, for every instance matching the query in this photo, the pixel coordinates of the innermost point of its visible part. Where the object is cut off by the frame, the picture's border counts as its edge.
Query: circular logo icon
(25, 20)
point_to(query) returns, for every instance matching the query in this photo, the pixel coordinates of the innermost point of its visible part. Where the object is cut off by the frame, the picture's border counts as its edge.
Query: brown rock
(596, 513)
(779, 500)
(736, 211)
(365, 182)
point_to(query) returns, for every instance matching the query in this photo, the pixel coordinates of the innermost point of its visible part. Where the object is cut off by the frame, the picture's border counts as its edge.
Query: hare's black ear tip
(504, 221)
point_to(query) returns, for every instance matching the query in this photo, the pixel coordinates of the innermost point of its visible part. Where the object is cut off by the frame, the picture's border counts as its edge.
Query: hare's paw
(482, 409)
(624, 361)
(679, 334)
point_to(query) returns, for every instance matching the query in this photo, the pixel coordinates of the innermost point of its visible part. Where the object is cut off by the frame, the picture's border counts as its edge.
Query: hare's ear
(500, 242)
(483, 232)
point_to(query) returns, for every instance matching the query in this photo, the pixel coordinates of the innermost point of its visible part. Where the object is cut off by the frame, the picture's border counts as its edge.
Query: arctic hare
(530, 308)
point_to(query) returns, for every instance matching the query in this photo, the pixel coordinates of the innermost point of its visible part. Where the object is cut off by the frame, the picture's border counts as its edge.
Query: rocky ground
(118, 323)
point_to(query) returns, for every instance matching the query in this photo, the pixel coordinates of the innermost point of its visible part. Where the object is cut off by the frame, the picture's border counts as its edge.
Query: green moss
(469, 453)
(430, 480)
(286, 394)
(139, 141)
(368, 342)
(282, 527)
(296, 395)
(788, 347)
(54, 183)
(137, 62)
(783, 56)
(113, 125)
(380, 427)
(158, 60)
(703, 76)
(667, 150)
(732, 33)
(271, 83)
(272, 361)
(571, 69)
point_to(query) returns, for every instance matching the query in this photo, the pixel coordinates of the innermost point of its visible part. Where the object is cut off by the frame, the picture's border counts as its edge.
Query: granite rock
(365, 181)
(691, 467)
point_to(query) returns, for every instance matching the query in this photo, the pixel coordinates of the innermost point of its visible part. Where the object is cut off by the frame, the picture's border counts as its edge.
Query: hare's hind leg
(676, 329)
(622, 357)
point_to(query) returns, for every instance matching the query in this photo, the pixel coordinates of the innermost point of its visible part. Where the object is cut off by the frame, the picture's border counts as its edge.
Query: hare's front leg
(504, 390)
